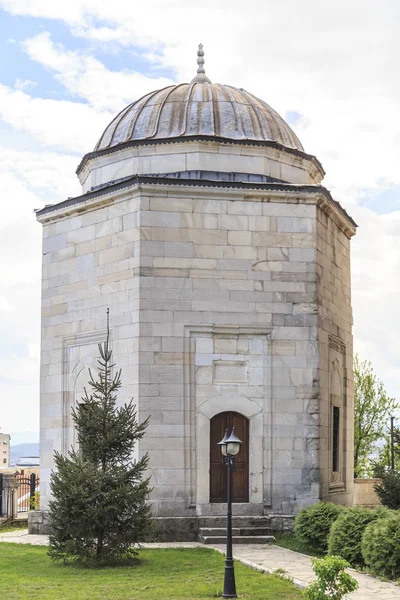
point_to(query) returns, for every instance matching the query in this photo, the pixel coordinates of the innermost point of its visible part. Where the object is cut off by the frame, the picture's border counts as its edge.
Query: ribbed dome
(199, 108)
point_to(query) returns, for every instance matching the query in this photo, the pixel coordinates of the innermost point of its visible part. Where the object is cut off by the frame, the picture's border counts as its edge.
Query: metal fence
(27, 486)
(17, 494)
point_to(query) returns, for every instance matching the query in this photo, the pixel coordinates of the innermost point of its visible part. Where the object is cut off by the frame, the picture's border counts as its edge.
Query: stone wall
(226, 288)
(335, 355)
(364, 493)
(90, 262)
(115, 164)
(214, 298)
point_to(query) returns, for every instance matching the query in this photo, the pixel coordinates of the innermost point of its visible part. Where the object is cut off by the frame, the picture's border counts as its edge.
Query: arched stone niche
(80, 353)
(80, 378)
(227, 368)
(254, 413)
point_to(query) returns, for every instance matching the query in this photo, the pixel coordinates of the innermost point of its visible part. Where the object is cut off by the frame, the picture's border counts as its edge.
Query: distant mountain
(20, 450)
(23, 437)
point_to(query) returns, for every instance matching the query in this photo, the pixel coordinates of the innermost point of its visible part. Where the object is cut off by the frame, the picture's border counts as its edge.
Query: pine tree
(99, 509)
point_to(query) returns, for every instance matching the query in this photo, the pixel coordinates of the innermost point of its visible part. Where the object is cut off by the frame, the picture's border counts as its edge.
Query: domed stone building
(204, 227)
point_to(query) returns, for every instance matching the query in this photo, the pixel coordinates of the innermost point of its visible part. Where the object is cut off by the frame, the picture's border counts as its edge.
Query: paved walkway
(261, 557)
(21, 536)
(298, 566)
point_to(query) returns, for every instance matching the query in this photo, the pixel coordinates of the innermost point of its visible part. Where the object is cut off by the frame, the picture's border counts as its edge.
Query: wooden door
(218, 470)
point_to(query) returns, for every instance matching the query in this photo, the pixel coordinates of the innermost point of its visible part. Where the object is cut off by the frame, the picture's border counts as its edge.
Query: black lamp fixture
(230, 446)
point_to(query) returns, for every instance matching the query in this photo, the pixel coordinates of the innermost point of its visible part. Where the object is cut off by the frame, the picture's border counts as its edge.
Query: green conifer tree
(99, 510)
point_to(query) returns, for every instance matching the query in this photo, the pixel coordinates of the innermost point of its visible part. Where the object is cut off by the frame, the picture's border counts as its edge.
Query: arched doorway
(218, 470)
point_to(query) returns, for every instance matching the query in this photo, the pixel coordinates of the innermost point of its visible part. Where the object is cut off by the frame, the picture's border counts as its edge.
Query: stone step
(220, 522)
(21, 518)
(246, 531)
(238, 539)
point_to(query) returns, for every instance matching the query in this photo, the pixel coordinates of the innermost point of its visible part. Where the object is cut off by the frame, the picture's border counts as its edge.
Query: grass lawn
(27, 573)
(15, 527)
(289, 541)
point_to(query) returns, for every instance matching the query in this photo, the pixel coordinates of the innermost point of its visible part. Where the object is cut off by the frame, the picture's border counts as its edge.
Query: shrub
(312, 524)
(332, 583)
(389, 490)
(381, 546)
(346, 533)
(34, 501)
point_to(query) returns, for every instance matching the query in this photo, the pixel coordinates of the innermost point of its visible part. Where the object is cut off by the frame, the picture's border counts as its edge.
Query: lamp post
(392, 442)
(230, 446)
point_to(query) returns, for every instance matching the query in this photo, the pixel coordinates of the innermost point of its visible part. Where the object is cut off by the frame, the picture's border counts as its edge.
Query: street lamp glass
(233, 443)
(222, 443)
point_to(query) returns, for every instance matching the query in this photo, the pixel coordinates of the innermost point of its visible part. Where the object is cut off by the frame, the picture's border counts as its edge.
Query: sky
(331, 69)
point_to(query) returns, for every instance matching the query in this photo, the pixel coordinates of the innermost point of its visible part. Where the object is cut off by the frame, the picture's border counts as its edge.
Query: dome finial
(201, 74)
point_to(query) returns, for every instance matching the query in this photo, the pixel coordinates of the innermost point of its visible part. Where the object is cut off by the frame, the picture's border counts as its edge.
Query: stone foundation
(175, 529)
(282, 522)
(38, 522)
(165, 529)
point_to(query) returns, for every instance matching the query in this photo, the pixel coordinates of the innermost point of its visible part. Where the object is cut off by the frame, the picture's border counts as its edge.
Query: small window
(335, 437)
(4, 461)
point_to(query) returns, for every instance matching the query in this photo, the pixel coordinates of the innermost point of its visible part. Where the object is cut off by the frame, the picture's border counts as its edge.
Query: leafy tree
(384, 461)
(396, 439)
(372, 409)
(99, 509)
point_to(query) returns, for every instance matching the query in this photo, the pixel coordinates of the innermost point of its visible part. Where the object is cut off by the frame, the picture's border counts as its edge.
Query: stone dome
(199, 108)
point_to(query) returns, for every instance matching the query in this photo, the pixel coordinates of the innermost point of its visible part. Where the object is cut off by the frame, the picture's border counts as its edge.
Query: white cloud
(86, 77)
(334, 63)
(69, 12)
(376, 292)
(49, 173)
(28, 179)
(24, 84)
(5, 305)
(72, 126)
(20, 253)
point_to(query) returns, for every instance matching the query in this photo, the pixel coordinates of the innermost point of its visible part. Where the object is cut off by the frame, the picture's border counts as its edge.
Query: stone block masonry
(220, 300)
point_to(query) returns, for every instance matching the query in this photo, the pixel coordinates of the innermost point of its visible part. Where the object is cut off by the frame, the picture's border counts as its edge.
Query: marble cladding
(194, 156)
(216, 303)
(335, 356)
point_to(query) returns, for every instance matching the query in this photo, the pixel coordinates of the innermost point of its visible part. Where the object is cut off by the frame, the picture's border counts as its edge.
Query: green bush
(333, 583)
(346, 533)
(34, 501)
(380, 546)
(389, 490)
(312, 524)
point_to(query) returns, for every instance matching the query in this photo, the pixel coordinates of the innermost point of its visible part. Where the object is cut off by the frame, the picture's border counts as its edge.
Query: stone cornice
(218, 190)
(338, 214)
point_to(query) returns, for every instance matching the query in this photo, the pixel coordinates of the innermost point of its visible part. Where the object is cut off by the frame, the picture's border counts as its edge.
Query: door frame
(244, 436)
(255, 415)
